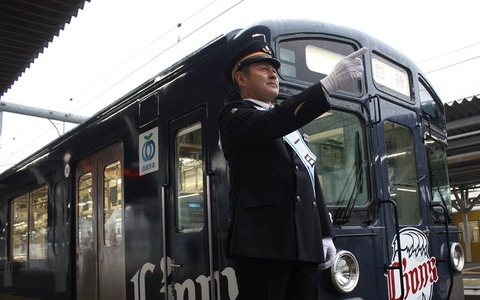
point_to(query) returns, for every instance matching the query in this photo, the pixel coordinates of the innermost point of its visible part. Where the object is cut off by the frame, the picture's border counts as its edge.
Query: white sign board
(148, 151)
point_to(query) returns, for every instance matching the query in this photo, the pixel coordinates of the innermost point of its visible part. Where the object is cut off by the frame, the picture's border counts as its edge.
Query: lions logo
(419, 269)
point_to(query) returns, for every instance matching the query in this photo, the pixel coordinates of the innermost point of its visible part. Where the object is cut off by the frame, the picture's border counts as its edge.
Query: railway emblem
(419, 269)
(148, 154)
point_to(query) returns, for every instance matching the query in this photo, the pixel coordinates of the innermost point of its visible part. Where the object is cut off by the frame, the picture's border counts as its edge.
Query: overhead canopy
(26, 28)
(463, 152)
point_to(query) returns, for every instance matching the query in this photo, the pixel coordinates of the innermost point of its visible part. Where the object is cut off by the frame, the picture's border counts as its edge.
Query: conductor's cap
(254, 51)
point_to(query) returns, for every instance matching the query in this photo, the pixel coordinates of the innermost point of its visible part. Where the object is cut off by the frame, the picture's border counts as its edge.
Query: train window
(310, 60)
(38, 223)
(337, 139)
(85, 211)
(189, 160)
(437, 156)
(112, 205)
(29, 221)
(19, 228)
(391, 78)
(402, 172)
(431, 106)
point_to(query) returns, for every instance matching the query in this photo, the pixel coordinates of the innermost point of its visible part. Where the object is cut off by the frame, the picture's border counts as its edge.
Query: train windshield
(337, 139)
(309, 60)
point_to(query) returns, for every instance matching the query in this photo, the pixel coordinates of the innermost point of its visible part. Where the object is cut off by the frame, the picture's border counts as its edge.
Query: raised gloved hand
(345, 71)
(329, 251)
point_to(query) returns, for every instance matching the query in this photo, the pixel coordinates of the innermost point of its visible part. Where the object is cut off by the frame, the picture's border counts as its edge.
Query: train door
(100, 254)
(441, 228)
(413, 270)
(187, 206)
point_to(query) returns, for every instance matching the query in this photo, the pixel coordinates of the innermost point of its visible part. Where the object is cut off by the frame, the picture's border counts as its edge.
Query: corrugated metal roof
(463, 152)
(26, 28)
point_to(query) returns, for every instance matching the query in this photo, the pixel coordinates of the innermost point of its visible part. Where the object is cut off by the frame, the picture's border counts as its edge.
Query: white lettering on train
(188, 288)
(139, 280)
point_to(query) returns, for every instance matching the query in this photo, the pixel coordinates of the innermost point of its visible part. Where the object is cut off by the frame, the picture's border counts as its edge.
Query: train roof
(274, 29)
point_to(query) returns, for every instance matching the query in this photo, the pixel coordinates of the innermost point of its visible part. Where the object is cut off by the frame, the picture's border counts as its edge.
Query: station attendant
(281, 232)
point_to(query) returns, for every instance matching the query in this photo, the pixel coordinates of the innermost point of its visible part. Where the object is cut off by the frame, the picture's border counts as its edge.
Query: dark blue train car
(133, 203)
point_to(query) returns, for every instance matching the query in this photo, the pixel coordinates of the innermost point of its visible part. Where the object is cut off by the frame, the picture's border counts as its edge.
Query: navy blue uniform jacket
(276, 215)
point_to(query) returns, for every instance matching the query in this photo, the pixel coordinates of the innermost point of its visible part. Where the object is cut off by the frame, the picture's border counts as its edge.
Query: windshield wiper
(344, 214)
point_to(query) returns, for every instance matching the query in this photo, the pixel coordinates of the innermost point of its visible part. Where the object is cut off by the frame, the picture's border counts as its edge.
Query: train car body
(133, 203)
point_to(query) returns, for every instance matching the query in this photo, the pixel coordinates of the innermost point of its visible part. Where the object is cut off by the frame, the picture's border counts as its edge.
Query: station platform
(471, 280)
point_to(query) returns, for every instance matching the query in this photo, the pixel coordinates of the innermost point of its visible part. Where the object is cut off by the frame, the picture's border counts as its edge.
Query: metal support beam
(463, 122)
(467, 156)
(40, 113)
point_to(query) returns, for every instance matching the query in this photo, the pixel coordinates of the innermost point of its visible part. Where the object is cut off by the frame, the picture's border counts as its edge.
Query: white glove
(345, 71)
(329, 251)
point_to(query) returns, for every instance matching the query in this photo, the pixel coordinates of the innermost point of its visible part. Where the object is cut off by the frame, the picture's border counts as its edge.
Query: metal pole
(40, 113)
(466, 227)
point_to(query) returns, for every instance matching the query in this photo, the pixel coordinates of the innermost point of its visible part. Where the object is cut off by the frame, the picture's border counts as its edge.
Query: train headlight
(457, 257)
(345, 272)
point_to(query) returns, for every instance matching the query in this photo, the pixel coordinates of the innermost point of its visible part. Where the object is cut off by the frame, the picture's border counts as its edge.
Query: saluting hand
(345, 71)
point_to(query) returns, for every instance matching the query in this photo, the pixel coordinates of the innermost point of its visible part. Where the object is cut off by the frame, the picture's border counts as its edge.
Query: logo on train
(419, 269)
(198, 288)
(148, 154)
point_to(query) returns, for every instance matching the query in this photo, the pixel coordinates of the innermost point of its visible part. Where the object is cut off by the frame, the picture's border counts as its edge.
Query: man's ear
(240, 78)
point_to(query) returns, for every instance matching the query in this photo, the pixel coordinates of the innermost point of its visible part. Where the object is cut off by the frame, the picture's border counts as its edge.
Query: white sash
(295, 140)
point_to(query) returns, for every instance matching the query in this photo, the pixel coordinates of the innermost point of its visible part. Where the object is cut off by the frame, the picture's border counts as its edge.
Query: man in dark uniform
(281, 230)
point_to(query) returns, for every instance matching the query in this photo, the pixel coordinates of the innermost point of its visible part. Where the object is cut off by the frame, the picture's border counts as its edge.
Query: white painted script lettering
(188, 289)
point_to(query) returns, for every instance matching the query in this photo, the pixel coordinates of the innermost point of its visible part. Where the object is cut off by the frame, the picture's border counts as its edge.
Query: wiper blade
(344, 214)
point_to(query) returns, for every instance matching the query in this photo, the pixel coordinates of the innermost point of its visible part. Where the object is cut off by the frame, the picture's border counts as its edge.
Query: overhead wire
(165, 50)
(162, 36)
(451, 65)
(448, 53)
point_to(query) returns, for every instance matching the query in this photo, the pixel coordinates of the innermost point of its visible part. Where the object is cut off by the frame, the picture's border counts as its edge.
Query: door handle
(174, 265)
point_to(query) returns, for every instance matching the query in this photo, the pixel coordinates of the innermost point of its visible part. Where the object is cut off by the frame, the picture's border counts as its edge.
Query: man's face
(260, 82)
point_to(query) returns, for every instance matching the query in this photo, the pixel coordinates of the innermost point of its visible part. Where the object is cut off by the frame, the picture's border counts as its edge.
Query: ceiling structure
(26, 29)
(463, 152)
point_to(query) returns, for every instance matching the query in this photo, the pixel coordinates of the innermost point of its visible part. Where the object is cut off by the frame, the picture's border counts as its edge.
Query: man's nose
(273, 73)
